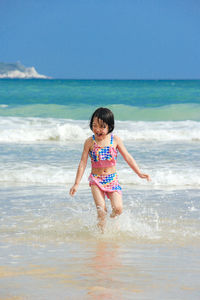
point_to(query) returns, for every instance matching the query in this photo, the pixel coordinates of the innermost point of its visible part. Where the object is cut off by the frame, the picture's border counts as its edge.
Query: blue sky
(103, 39)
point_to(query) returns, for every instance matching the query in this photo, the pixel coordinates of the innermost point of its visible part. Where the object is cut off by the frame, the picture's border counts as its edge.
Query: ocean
(50, 246)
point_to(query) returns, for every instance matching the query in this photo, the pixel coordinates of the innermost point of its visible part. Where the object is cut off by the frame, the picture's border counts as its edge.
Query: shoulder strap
(111, 140)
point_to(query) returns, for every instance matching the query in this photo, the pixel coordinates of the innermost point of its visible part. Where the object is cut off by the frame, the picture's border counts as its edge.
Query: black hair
(106, 116)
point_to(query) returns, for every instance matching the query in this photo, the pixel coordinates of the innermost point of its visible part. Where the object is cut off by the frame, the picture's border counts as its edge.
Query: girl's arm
(81, 167)
(129, 159)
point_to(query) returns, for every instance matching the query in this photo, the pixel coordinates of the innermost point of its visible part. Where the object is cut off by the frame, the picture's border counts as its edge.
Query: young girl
(102, 148)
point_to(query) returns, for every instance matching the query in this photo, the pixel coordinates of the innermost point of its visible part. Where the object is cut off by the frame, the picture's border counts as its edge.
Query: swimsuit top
(103, 157)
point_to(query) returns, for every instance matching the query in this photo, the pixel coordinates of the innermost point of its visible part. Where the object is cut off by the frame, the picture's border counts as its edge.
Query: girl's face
(99, 128)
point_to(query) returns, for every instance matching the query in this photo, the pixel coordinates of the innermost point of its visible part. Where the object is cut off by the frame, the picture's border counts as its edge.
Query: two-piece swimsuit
(104, 157)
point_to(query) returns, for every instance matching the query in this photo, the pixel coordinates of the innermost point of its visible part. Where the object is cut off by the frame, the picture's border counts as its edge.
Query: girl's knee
(118, 209)
(101, 212)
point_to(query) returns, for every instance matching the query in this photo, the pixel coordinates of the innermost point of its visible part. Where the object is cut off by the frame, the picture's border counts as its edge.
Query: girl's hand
(144, 176)
(73, 190)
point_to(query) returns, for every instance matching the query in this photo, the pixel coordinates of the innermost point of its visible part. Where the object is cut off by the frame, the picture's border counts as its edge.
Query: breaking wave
(16, 129)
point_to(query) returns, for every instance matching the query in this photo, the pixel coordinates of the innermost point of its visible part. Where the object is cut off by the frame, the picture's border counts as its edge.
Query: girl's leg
(99, 199)
(116, 203)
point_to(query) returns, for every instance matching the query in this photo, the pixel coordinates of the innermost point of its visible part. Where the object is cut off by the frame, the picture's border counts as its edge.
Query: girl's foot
(113, 214)
(101, 226)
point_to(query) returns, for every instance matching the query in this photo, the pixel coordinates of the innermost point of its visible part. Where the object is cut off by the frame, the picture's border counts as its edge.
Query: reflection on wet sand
(106, 269)
(104, 263)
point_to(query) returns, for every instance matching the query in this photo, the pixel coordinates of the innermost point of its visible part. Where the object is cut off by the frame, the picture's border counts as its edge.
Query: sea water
(50, 246)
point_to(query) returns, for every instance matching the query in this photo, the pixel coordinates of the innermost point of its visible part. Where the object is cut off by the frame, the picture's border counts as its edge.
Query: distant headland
(17, 70)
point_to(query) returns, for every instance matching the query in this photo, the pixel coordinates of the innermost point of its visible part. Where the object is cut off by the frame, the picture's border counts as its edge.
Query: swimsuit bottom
(106, 183)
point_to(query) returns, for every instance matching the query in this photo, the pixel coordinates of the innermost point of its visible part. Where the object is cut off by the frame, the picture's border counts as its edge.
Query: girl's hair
(106, 116)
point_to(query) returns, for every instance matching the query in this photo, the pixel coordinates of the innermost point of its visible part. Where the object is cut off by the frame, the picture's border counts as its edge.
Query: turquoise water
(147, 100)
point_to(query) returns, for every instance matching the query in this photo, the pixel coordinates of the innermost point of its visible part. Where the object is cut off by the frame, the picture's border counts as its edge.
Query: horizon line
(101, 79)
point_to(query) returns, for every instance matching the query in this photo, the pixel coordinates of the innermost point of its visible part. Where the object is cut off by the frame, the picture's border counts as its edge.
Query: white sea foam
(159, 131)
(37, 130)
(16, 129)
(45, 174)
